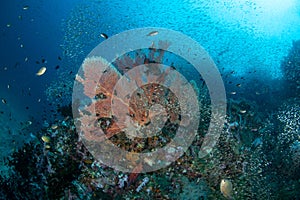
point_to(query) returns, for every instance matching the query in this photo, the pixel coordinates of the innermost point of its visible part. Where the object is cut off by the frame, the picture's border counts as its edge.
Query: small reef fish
(226, 188)
(4, 101)
(152, 33)
(243, 111)
(41, 71)
(88, 161)
(44, 60)
(33, 136)
(103, 35)
(54, 126)
(46, 139)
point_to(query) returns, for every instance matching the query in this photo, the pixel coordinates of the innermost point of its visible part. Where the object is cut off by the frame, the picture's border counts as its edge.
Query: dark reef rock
(291, 69)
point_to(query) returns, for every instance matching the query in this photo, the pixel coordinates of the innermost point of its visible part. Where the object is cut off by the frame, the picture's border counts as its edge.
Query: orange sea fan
(100, 83)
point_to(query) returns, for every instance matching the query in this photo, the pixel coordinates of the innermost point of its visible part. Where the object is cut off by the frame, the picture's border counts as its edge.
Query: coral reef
(289, 138)
(258, 152)
(235, 157)
(39, 169)
(194, 189)
(258, 164)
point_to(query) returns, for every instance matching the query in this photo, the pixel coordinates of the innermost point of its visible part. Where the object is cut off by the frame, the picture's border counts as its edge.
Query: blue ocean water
(27, 36)
(247, 40)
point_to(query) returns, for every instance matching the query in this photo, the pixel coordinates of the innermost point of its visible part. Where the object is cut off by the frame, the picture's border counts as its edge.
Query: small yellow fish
(46, 138)
(152, 33)
(87, 161)
(226, 188)
(47, 146)
(243, 111)
(41, 71)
